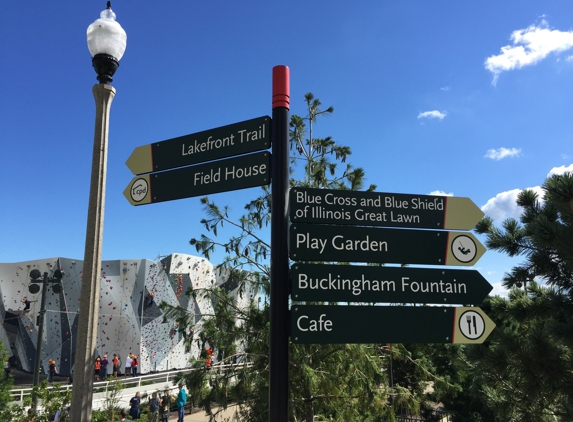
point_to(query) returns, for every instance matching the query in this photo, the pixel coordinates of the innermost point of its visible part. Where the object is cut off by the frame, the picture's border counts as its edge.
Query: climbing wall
(129, 321)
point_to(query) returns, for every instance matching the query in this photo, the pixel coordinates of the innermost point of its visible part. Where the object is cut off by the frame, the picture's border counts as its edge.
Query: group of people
(100, 367)
(158, 407)
(131, 366)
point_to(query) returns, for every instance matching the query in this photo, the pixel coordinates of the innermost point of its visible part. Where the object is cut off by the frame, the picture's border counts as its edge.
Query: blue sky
(465, 98)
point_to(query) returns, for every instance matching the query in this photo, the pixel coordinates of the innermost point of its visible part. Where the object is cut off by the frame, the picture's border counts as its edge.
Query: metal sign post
(279, 313)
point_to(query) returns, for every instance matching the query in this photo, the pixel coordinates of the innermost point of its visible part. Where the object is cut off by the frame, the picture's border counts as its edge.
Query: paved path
(24, 380)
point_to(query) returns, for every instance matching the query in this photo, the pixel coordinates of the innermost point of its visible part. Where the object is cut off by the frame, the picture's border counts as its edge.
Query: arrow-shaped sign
(225, 141)
(241, 172)
(326, 206)
(353, 283)
(330, 324)
(319, 242)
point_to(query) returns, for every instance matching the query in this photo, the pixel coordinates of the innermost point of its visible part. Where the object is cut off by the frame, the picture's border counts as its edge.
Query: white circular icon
(139, 189)
(464, 248)
(471, 324)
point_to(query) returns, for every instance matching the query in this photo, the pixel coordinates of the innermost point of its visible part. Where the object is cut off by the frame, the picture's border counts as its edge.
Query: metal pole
(82, 391)
(279, 313)
(37, 363)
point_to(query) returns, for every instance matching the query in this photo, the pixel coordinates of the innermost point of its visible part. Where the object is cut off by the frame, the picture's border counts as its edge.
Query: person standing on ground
(154, 408)
(134, 365)
(97, 366)
(128, 365)
(103, 370)
(134, 411)
(6, 369)
(52, 370)
(165, 406)
(181, 401)
(115, 362)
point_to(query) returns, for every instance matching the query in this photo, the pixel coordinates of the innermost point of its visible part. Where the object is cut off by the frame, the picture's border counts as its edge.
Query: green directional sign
(353, 283)
(319, 242)
(225, 141)
(327, 324)
(326, 206)
(241, 172)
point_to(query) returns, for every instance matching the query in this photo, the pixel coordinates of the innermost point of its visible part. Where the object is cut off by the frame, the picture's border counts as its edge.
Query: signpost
(318, 242)
(344, 207)
(324, 324)
(219, 176)
(336, 235)
(351, 283)
(225, 141)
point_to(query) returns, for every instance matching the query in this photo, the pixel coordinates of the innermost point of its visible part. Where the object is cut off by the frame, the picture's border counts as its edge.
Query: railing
(18, 394)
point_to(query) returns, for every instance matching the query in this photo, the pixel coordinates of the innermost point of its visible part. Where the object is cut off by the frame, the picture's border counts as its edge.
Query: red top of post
(281, 87)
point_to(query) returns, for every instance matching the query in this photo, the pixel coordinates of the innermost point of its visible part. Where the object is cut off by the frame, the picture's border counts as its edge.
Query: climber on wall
(150, 300)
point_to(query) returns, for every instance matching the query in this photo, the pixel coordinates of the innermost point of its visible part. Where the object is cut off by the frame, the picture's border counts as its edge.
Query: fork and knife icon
(471, 320)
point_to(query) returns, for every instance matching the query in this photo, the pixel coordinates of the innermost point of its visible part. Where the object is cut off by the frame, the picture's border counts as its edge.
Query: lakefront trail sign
(225, 141)
(327, 324)
(342, 207)
(321, 242)
(353, 283)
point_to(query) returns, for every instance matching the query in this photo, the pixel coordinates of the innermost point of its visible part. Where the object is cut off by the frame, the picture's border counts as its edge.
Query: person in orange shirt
(97, 368)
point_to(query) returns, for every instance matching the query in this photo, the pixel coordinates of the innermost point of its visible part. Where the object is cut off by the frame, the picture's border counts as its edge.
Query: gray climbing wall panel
(128, 321)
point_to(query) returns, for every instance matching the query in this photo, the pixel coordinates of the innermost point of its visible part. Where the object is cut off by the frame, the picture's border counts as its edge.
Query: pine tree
(331, 382)
(523, 372)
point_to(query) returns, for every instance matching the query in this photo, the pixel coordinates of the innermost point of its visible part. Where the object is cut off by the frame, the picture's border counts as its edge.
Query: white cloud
(501, 153)
(498, 290)
(434, 114)
(445, 88)
(530, 45)
(560, 170)
(503, 205)
(441, 193)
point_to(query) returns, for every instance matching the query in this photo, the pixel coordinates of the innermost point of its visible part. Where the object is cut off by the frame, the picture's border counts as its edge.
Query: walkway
(160, 382)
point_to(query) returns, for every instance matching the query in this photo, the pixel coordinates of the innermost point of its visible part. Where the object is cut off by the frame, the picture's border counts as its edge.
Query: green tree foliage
(6, 384)
(523, 372)
(327, 382)
(317, 154)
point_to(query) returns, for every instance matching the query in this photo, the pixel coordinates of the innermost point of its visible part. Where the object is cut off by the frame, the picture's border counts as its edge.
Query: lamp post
(34, 288)
(106, 42)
